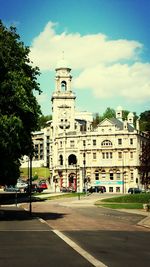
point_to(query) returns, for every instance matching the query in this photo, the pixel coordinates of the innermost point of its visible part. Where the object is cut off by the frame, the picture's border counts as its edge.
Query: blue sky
(106, 43)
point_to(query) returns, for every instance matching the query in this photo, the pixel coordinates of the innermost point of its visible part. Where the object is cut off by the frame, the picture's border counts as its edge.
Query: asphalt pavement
(89, 201)
(28, 240)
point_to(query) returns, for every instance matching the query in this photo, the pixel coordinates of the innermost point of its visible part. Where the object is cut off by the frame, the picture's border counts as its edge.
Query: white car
(21, 184)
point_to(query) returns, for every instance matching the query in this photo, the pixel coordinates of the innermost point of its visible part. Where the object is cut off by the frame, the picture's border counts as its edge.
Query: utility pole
(30, 185)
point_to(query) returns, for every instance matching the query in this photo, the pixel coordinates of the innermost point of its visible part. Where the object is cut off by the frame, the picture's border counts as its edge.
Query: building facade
(80, 156)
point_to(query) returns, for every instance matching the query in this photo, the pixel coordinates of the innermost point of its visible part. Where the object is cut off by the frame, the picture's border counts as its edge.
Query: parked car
(67, 189)
(11, 188)
(35, 189)
(133, 190)
(21, 184)
(42, 185)
(97, 189)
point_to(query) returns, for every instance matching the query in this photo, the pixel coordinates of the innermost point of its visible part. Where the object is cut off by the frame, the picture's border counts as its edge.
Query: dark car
(134, 190)
(35, 189)
(11, 188)
(97, 189)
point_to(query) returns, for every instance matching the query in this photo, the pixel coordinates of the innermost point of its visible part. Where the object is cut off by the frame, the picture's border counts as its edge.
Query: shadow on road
(8, 198)
(17, 214)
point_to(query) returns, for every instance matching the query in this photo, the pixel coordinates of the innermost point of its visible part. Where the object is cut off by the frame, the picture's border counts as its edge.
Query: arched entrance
(72, 177)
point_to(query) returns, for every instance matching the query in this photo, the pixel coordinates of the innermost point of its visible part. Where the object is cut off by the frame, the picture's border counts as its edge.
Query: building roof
(120, 124)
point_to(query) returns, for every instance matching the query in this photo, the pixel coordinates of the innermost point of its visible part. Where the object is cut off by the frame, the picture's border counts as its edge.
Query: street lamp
(64, 125)
(84, 166)
(77, 182)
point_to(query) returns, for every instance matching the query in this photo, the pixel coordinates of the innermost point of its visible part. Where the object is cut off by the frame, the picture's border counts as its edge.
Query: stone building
(81, 156)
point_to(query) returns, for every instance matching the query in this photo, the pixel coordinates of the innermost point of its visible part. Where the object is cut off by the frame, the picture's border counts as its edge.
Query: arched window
(111, 175)
(103, 174)
(61, 160)
(96, 175)
(106, 143)
(63, 86)
(72, 159)
(118, 176)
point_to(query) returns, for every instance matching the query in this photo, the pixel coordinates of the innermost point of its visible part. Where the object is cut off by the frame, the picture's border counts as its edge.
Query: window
(110, 189)
(131, 141)
(71, 143)
(60, 143)
(61, 159)
(111, 175)
(117, 189)
(94, 155)
(118, 175)
(94, 142)
(96, 175)
(107, 155)
(63, 85)
(131, 155)
(119, 141)
(84, 143)
(131, 176)
(106, 143)
(103, 174)
(119, 155)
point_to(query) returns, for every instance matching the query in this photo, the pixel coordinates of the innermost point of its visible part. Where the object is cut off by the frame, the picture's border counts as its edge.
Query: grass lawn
(131, 201)
(66, 195)
(40, 172)
(122, 205)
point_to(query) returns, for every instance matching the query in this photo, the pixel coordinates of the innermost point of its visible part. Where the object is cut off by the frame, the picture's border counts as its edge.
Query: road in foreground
(105, 237)
(29, 242)
(110, 236)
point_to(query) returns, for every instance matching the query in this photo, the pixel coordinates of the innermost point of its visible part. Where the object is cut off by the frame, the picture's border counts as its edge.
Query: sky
(105, 42)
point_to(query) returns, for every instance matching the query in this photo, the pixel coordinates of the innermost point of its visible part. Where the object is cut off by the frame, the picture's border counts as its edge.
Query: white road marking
(81, 251)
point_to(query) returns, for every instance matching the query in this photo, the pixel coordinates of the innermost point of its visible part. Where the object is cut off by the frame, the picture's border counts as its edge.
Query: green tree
(145, 121)
(109, 113)
(43, 119)
(96, 120)
(144, 167)
(19, 110)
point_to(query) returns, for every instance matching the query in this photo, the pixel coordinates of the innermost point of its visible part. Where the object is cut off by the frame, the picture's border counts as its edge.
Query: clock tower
(63, 100)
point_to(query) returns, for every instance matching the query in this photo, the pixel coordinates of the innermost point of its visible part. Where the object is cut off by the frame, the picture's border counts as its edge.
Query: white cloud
(129, 81)
(81, 51)
(109, 68)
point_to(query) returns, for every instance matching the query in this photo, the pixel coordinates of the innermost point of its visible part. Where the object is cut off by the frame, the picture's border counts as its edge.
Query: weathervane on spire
(62, 63)
(63, 54)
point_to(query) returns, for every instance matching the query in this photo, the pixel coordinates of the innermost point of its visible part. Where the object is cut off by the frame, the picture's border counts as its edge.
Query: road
(69, 231)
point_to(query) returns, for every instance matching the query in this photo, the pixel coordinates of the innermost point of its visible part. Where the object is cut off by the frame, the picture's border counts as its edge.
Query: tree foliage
(19, 110)
(144, 167)
(145, 121)
(109, 113)
(43, 120)
(96, 120)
